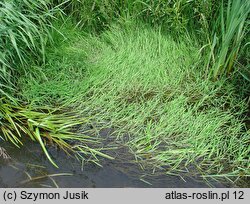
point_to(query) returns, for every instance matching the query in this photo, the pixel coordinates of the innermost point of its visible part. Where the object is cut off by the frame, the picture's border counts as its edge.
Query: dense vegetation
(172, 80)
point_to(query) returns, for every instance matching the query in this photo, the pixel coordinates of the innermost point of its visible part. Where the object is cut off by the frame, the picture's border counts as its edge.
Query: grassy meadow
(171, 81)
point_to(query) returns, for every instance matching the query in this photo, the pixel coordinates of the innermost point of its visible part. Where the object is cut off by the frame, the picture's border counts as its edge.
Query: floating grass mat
(153, 88)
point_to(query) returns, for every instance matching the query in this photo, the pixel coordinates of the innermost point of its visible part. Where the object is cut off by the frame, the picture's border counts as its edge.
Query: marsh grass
(146, 83)
(143, 83)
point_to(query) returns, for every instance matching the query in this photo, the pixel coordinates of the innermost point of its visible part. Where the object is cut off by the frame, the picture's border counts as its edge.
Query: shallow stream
(28, 167)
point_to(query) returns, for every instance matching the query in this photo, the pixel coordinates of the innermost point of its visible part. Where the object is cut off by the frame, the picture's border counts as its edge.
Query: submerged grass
(146, 84)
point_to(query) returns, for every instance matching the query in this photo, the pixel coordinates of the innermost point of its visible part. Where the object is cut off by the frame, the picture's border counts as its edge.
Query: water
(30, 168)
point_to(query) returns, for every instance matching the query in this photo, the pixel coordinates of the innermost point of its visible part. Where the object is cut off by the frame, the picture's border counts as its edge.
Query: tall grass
(24, 32)
(175, 16)
(228, 35)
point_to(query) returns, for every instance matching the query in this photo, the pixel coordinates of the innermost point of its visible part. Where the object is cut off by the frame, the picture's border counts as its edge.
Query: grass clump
(144, 83)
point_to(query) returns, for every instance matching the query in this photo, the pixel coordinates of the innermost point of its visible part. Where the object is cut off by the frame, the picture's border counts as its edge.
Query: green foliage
(137, 79)
(174, 16)
(149, 86)
(46, 126)
(92, 15)
(25, 28)
(62, 77)
(229, 33)
(220, 24)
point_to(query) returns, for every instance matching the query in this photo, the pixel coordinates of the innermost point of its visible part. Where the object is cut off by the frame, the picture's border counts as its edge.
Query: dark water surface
(30, 168)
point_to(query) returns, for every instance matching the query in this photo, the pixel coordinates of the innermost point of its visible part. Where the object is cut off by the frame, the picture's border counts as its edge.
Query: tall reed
(228, 34)
(24, 31)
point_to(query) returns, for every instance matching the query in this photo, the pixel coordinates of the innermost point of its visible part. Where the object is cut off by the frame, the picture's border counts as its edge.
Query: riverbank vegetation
(172, 81)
